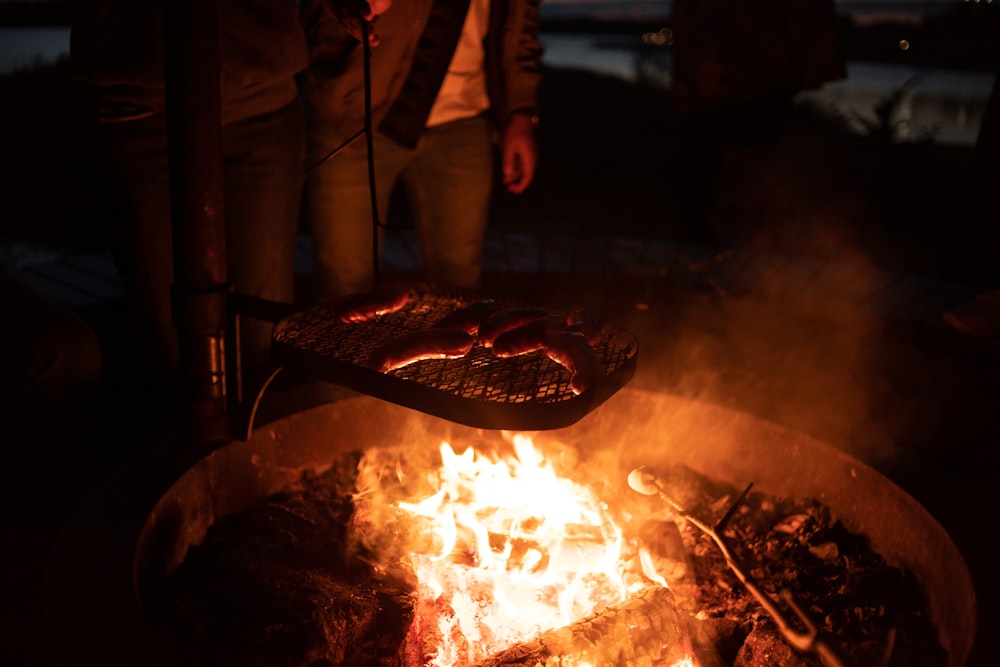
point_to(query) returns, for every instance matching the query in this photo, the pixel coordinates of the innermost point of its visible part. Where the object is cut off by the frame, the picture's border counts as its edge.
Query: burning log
(282, 584)
(645, 629)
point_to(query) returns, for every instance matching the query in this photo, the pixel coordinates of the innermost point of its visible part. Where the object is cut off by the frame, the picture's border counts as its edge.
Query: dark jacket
(335, 81)
(117, 45)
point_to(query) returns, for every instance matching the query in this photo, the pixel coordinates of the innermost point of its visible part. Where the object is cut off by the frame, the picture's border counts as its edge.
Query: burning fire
(504, 550)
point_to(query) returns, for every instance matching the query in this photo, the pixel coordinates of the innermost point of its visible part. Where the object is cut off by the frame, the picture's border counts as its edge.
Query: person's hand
(358, 15)
(520, 154)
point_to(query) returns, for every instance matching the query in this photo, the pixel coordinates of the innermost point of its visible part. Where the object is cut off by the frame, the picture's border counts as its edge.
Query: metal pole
(194, 136)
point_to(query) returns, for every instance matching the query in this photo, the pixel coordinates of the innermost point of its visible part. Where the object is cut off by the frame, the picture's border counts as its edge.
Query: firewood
(811, 640)
(284, 583)
(280, 585)
(645, 629)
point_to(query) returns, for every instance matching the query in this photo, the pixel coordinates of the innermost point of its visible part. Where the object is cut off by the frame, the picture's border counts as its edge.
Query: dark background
(617, 159)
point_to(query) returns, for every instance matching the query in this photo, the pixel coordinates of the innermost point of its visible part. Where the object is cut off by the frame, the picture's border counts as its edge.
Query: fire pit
(148, 532)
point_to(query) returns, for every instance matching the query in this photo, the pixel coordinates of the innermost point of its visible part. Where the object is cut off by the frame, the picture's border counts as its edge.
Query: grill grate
(529, 391)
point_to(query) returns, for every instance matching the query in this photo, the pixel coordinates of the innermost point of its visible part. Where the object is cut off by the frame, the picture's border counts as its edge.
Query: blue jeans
(263, 169)
(448, 179)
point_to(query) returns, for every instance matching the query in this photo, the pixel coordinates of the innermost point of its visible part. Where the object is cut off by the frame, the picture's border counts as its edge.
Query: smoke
(785, 321)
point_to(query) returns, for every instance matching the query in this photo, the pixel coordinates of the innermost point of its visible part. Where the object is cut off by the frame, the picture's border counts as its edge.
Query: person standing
(737, 69)
(117, 52)
(452, 84)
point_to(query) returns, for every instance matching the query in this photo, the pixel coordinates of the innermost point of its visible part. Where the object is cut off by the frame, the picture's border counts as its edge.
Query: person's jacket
(334, 84)
(117, 46)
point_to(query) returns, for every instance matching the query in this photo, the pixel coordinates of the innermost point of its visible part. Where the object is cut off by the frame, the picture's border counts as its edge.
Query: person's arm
(519, 150)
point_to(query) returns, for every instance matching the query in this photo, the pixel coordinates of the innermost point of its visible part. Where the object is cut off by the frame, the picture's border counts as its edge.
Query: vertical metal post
(194, 135)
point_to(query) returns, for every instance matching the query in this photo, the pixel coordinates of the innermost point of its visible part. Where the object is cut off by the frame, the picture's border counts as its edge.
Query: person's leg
(449, 187)
(264, 165)
(338, 208)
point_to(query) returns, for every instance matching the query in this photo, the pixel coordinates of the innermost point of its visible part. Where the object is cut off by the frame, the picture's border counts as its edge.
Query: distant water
(945, 104)
(26, 47)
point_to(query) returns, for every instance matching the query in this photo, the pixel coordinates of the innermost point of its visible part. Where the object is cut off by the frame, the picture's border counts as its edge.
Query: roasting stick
(646, 483)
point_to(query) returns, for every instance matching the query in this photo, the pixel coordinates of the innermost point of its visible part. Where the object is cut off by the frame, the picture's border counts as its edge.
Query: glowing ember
(504, 549)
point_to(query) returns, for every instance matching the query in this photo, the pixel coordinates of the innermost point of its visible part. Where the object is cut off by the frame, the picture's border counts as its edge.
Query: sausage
(583, 321)
(365, 306)
(527, 337)
(571, 351)
(468, 318)
(507, 319)
(419, 345)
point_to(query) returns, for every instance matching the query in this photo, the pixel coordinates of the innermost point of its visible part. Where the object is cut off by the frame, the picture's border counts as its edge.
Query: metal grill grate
(529, 391)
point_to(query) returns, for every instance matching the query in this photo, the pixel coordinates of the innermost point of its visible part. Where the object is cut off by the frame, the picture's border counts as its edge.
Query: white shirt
(463, 92)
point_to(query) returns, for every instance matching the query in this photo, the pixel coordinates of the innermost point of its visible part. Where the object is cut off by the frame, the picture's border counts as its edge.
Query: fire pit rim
(158, 534)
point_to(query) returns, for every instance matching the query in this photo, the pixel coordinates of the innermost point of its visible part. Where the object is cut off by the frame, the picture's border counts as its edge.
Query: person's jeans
(263, 170)
(448, 180)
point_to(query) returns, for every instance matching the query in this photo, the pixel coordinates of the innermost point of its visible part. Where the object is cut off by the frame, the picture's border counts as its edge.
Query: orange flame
(517, 551)
(505, 549)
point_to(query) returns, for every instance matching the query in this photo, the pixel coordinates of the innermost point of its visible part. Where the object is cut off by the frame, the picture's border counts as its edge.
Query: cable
(369, 137)
(310, 170)
(376, 224)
